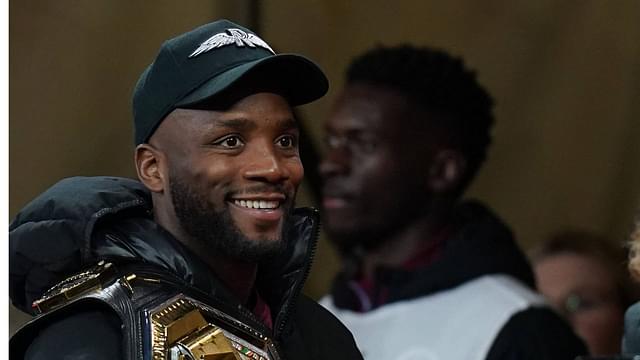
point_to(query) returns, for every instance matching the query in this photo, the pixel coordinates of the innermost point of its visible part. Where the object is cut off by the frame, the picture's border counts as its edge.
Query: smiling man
(205, 257)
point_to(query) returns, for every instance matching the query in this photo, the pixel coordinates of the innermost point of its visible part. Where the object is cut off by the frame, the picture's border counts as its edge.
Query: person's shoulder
(631, 340)
(83, 333)
(536, 333)
(310, 312)
(319, 326)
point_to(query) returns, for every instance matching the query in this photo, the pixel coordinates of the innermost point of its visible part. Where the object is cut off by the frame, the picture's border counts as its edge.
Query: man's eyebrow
(237, 124)
(243, 124)
(289, 123)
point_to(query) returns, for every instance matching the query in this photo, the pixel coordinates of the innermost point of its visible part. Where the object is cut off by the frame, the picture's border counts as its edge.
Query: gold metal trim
(185, 329)
(74, 286)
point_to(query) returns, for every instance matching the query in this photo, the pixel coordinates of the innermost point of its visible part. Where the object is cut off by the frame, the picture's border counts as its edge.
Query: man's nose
(335, 162)
(264, 164)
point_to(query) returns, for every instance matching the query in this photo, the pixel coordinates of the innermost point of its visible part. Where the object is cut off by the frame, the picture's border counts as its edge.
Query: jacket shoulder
(90, 330)
(536, 333)
(322, 333)
(51, 236)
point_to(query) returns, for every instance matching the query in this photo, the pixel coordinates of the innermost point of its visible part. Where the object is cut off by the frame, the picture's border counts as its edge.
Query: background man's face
(375, 166)
(234, 174)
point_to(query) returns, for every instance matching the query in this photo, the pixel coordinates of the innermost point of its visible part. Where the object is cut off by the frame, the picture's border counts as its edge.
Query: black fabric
(141, 240)
(50, 237)
(87, 335)
(479, 245)
(536, 334)
(109, 219)
(312, 322)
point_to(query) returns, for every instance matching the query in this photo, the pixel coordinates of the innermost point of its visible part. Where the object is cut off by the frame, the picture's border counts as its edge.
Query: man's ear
(447, 170)
(151, 165)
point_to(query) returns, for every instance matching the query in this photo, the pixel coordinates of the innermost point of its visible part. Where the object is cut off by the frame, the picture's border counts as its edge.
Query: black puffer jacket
(80, 221)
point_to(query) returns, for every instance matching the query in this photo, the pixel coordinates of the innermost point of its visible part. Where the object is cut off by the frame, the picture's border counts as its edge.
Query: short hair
(594, 246)
(438, 82)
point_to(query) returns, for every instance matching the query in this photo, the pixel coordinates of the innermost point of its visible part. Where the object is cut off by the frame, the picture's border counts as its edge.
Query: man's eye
(355, 144)
(230, 142)
(287, 141)
(333, 142)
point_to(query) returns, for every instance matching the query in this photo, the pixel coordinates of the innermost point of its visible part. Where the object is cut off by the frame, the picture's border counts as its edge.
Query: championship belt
(186, 329)
(181, 328)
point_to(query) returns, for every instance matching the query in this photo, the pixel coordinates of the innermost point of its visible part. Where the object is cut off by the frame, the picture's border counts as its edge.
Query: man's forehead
(378, 108)
(247, 124)
(182, 124)
(361, 114)
(259, 112)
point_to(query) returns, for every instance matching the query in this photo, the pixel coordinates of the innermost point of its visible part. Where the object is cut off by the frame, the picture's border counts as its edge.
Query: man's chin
(258, 249)
(347, 239)
(261, 235)
(258, 244)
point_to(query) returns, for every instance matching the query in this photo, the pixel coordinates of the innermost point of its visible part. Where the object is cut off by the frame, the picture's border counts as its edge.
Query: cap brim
(295, 77)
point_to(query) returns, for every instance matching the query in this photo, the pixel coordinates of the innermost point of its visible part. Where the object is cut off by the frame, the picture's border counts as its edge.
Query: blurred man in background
(426, 275)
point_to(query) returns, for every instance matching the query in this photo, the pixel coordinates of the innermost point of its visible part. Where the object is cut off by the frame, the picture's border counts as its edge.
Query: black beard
(216, 230)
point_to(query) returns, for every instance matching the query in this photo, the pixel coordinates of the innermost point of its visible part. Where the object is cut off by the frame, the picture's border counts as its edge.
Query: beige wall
(73, 66)
(565, 74)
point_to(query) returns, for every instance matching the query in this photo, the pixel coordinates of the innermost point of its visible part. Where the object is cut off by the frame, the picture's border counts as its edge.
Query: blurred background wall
(565, 76)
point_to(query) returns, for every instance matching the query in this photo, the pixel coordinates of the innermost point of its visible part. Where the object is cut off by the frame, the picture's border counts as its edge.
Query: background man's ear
(150, 165)
(447, 170)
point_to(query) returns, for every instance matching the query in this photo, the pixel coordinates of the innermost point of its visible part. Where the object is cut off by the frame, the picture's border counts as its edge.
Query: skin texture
(207, 160)
(600, 320)
(386, 175)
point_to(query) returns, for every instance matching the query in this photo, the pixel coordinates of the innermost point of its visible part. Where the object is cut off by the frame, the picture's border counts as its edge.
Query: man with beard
(205, 257)
(426, 275)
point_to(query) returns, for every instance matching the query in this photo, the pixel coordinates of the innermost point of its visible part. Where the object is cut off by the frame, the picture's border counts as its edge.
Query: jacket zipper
(285, 312)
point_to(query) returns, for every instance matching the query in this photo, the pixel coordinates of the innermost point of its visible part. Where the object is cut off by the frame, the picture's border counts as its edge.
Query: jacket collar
(479, 244)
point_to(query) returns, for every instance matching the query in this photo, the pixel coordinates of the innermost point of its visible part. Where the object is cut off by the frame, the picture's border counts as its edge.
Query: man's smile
(330, 202)
(264, 208)
(336, 197)
(257, 204)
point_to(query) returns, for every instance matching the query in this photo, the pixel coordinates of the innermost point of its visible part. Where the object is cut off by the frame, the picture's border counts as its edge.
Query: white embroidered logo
(237, 36)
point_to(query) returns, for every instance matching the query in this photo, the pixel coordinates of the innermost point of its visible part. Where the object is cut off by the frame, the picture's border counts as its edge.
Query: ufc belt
(159, 321)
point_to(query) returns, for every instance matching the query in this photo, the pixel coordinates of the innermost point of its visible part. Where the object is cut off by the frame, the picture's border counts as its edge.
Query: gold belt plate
(186, 329)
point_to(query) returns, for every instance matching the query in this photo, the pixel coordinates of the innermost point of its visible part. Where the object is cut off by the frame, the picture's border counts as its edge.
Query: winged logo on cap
(237, 36)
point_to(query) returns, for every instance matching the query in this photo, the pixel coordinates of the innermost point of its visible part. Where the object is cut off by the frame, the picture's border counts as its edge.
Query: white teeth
(257, 204)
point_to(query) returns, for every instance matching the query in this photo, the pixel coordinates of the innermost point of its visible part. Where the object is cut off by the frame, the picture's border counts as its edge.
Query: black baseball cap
(205, 63)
